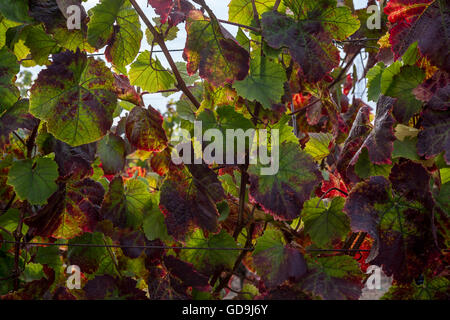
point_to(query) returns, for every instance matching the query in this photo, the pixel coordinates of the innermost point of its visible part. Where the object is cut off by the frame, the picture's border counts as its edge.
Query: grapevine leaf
(283, 194)
(406, 149)
(107, 287)
(14, 118)
(365, 169)
(317, 146)
(102, 18)
(74, 162)
(132, 243)
(149, 74)
(112, 153)
(125, 91)
(309, 44)
(125, 205)
(358, 133)
(264, 84)
(431, 289)
(41, 44)
(420, 21)
(70, 211)
(162, 8)
(9, 67)
(374, 81)
(16, 11)
(398, 218)
(325, 223)
(213, 51)
(144, 129)
(399, 82)
(186, 273)
(435, 136)
(241, 11)
(380, 141)
(441, 100)
(75, 97)
(126, 41)
(333, 278)
(34, 181)
(206, 261)
(276, 262)
(93, 258)
(191, 199)
(360, 204)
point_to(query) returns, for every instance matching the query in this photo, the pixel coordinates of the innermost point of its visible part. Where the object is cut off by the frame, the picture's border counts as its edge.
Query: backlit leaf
(75, 97)
(213, 51)
(34, 180)
(276, 262)
(265, 83)
(283, 193)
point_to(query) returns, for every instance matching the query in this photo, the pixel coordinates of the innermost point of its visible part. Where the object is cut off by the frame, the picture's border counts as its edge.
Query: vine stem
(18, 238)
(242, 192)
(276, 5)
(224, 281)
(239, 25)
(255, 13)
(160, 40)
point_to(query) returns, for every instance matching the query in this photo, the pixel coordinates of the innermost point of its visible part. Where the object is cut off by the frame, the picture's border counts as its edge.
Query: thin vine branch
(160, 40)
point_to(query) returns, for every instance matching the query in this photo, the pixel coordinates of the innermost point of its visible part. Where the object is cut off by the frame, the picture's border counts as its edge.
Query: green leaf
(72, 39)
(399, 82)
(9, 221)
(91, 259)
(241, 11)
(5, 24)
(214, 52)
(311, 47)
(126, 39)
(317, 146)
(16, 10)
(125, 205)
(283, 194)
(102, 18)
(265, 83)
(374, 81)
(71, 211)
(150, 75)
(365, 168)
(112, 152)
(9, 67)
(13, 118)
(144, 129)
(155, 227)
(75, 97)
(333, 278)
(411, 55)
(406, 149)
(34, 182)
(41, 44)
(325, 223)
(277, 262)
(210, 260)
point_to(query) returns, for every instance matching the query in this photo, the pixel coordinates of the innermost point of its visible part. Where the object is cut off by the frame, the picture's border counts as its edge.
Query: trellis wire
(88, 245)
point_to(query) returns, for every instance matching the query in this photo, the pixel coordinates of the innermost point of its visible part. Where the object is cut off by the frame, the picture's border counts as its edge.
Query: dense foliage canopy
(86, 171)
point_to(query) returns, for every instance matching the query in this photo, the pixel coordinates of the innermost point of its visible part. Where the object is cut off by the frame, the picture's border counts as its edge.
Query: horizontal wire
(89, 245)
(154, 51)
